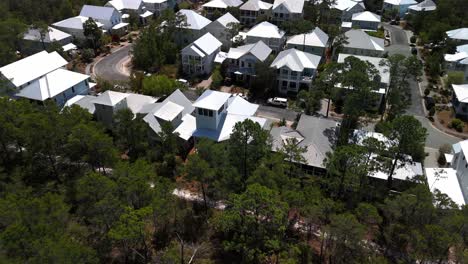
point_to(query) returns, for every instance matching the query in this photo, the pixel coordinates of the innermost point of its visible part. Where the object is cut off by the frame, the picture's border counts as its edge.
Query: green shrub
(87, 55)
(413, 39)
(455, 77)
(427, 92)
(457, 124)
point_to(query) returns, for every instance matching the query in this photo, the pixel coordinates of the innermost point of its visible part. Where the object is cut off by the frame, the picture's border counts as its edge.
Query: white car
(278, 101)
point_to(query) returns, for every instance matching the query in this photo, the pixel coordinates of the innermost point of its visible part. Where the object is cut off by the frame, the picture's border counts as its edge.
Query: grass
(378, 34)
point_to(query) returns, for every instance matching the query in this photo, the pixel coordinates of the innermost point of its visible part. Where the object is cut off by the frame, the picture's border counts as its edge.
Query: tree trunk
(328, 107)
(204, 198)
(392, 170)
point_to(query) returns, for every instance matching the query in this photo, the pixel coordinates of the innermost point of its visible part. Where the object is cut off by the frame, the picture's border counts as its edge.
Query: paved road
(109, 68)
(276, 113)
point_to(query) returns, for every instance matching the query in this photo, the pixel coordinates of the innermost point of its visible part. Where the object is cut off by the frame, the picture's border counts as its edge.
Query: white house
(43, 76)
(198, 57)
(401, 6)
(220, 5)
(366, 20)
(314, 42)
(32, 39)
(252, 9)
(286, 10)
(459, 35)
(346, 8)
(157, 6)
(460, 100)
(269, 34)
(458, 61)
(241, 60)
(360, 43)
(424, 6)
(107, 16)
(195, 26)
(127, 6)
(74, 26)
(452, 181)
(295, 70)
(220, 28)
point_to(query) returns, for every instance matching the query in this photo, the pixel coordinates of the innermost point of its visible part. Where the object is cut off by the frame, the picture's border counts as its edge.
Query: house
(127, 6)
(269, 34)
(74, 26)
(452, 181)
(401, 6)
(221, 27)
(198, 57)
(360, 43)
(317, 135)
(42, 77)
(459, 35)
(195, 27)
(346, 8)
(286, 10)
(158, 6)
(252, 9)
(314, 42)
(83, 101)
(34, 42)
(241, 61)
(366, 20)
(219, 6)
(424, 6)
(107, 16)
(295, 70)
(460, 100)
(458, 61)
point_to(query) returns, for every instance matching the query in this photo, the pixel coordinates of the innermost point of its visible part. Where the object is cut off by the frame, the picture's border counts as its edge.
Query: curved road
(110, 68)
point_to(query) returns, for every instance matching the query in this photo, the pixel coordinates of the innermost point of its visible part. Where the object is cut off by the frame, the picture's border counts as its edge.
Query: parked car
(278, 101)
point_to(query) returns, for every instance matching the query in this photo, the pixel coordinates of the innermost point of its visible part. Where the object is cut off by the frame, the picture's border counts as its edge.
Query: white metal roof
(84, 101)
(168, 111)
(384, 71)
(366, 16)
(110, 98)
(223, 3)
(51, 35)
(260, 50)
(255, 5)
(69, 46)
(32, 67)
(136, 102)
(74, 22)
(445, 180)
(426, 5)
(231, 120)
(97, 12)
(194, 20)
(460, 33)
(345, 5)
(400, 2)
(316, 38)
(406, 171)
(461, 92)
(359, 39)
(187, 127)
(212, 100)
(296, 60)
(266, 30)
(226, 19)
(126, 4)
(119, 26)
(146, 14)
(240, 106)
(205, 45)
(359, 136)
(293, 6)
(220, 57)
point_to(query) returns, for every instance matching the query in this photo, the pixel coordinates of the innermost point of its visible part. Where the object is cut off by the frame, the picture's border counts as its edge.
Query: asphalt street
(109, 68)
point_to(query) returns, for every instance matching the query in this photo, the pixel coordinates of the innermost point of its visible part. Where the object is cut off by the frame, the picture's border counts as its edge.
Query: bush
(457, 124)
(413, 39)
(455, 77)
(444, 149)
(87, 55)
(217, 78)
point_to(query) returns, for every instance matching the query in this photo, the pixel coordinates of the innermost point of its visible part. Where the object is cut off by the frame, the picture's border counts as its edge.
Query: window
(242, 64)
(249, 65)
(210, 113)
(73, 89)
(200, 111)
(293, 74)
(292, 85)
(284, 71)
(285, 83)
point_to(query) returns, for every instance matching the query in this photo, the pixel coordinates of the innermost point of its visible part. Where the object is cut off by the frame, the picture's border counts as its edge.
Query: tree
(92, 32)
(295, 27)
(130, 133)
(217, 78)
(264, 80)
(309, 101)
(294, 155)
(198, 169)
(159, 85)
(327, 82)
(43, 31)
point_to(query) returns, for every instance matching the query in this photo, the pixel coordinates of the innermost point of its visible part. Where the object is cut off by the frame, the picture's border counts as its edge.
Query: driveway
(111, 67)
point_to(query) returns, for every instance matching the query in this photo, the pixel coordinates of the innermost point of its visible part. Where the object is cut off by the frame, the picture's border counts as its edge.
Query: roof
(168, 111)
(69, 46)
(400, 2)
(460, 33)
(205, 45)
(97, 12)
(126, 4)
(146, 14)
(110, 98)
(260, 50)
(345, 5)
(232, 119)
(223, 3)
(240, 106)
(359, 39)
(194, 20)
(403, 171)
(266, 30)
(384, 71)
(119, 26)
(32, 67)
(464, 147)
(84, 101)
(315, 38)
(293, 6)
(51, 35)
(212, 100)
(366, 16)
(360, 135)
(220, 57)
(461, 92)
(187, 127)
(226, 19)
(445, 180)
(255, 5)
(52, 84)
(136, 102)
(74, 22)
(296, 60)
(426, 5)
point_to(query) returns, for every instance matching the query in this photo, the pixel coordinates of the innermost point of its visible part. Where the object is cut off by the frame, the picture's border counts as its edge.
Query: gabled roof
(384, 71)
(461, 56)
(74, 22)
(359, 39)
(260, 50)
(205, 45)
(400, 2)
(223, 3)
(255, 5)
(194, 20)
(84, 101)
(168, 111)
(460, 33)
(293, 6)
(126, 4)
(226, 19)
(366, 16)
(137, 102)
(461, 92)
(265, 30)
(110, 98)
(296, 60)
(97, 12)
(51, 35)
(32, 67)
(240, 106)
(446, 181)
(345, 5)
(426, 5)
(316, 38)
(212, 100)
